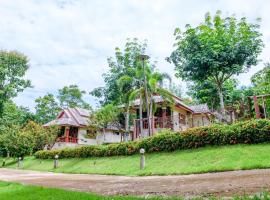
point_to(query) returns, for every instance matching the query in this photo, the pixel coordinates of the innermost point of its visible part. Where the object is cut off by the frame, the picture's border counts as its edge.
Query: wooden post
(264, 110)
(153, 125)
(142, 160)
(67, 134)
(134, 130)
(164, 117)
(256, 106)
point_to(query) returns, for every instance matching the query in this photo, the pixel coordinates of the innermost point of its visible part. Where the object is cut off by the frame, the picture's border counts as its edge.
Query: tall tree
(216, 49)
(47, 108)
(123, 76)
(13, 66)
(71, 96)
(122, 64)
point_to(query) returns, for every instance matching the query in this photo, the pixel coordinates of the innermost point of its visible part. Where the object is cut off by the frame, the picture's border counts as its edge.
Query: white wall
(200, 120)
(108, 137)
(83, 140)
(61, 145)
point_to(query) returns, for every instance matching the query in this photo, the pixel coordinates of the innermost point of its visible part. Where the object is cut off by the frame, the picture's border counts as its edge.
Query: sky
(69, 41)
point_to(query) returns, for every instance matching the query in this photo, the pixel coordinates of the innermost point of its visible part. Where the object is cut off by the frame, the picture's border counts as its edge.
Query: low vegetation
(11, 191)
(201, 160)
(247, 132)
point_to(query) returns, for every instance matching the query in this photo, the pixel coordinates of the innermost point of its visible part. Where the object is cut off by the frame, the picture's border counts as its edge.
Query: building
(177, 117)
(74, 130)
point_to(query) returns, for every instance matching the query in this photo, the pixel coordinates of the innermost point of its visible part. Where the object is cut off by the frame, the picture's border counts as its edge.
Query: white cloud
(69, 41)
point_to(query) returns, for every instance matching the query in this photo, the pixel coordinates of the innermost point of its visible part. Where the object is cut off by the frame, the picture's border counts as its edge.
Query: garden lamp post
(142, 161)
(55, 163)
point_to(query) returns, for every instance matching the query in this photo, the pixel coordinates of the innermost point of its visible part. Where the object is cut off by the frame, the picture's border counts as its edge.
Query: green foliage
(123, 65)
(206, 92)
(47, 108)
(71, 96)
(261, 80)
(13, 66)
(247, 132)
(216, 49)
(21, 141)
(106, 115)
(14, 115)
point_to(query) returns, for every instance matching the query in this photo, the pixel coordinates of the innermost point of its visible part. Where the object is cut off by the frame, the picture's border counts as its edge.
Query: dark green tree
(216, 50)
(47, 108)
(71, 96)
(123, 65)
(13, 66)
(14, 115)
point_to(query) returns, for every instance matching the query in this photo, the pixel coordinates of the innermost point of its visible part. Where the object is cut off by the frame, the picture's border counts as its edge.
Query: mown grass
(15, 191)
(207, 159)
(12, 191)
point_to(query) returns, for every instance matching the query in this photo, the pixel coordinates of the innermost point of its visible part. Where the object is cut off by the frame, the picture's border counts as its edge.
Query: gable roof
(159, 99)
(71, 117)
(201, 108)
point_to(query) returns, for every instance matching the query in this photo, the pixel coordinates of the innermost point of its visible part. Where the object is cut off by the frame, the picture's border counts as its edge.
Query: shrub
(247, 132)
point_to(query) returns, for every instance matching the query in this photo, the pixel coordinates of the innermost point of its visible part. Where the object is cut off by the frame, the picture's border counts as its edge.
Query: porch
(176, 122)
(68, 134)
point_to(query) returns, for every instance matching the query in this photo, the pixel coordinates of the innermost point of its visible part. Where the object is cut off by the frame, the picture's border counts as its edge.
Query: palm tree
(155, 87)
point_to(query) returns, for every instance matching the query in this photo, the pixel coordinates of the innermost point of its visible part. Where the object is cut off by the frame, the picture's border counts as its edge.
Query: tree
(124, 75)
(13, 66)
(261, 80)
(216, 49)
(71, 96)
(105, 116)
(20, 141)
(14, 115)
(124, 63)
(47, 108)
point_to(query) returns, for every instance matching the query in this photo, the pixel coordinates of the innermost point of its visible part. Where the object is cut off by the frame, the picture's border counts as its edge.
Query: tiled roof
(72, 117)
(201, 108)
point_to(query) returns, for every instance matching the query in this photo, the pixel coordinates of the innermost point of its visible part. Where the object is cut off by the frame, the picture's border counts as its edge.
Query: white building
(74, 130)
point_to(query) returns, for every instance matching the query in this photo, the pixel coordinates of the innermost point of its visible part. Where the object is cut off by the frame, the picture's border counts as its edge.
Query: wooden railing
(158, 122)
(69, 139)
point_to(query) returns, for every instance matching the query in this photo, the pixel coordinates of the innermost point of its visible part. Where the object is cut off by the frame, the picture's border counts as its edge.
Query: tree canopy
(216, 50)
(46, 108)
(261, 80)
(123, 65)
(13, 66)
(71, 96)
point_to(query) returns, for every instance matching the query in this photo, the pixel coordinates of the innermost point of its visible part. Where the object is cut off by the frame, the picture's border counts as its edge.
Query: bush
(24, 140)
(247, 132)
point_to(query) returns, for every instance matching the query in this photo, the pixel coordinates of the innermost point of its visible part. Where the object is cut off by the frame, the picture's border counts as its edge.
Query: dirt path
(218, 184)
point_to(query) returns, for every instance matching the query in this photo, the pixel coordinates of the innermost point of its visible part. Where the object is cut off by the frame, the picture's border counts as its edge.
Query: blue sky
(68, 41)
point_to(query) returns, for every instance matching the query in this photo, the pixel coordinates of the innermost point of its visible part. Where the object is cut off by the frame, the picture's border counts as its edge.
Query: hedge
(246, 132)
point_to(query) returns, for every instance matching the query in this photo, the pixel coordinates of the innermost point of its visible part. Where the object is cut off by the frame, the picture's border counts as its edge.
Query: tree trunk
(127, 124)
(222, 107)
(1, 109)
(141, 115)
(146, 98)
(151, 117)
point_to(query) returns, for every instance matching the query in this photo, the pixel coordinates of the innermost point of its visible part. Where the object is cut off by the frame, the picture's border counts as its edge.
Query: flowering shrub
(246, 132)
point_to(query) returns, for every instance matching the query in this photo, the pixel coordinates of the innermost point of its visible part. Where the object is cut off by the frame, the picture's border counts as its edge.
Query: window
(182, 118)
(91, 134)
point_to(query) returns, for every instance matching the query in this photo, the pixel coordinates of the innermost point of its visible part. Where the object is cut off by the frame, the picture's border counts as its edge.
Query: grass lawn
(12, 191)
(208, 159)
